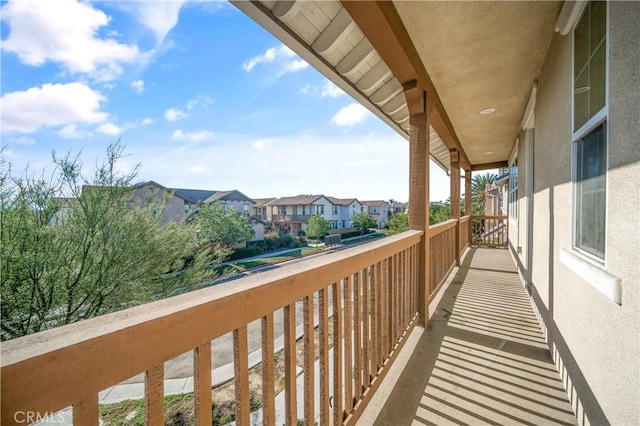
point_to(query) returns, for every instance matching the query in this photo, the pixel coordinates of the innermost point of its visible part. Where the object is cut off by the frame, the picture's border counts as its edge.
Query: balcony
(482, 359)
(304, 218)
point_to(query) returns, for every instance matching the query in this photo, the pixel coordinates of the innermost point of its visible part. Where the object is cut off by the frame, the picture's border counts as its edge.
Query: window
(282, 210)
(361, 209)
(589, 64)
(335, 210)
(589, 165)
(513, 190)
(590, 192)
(320, 209)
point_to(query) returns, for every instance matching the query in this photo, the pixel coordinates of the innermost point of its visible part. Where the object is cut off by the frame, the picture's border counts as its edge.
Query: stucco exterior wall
(593, 339)
(174, 207)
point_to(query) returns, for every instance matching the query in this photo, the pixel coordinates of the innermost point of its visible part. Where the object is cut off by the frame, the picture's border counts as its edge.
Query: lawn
(270, 260)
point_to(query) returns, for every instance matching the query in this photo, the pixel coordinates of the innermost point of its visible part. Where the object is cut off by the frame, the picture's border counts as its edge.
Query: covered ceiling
(477, 54)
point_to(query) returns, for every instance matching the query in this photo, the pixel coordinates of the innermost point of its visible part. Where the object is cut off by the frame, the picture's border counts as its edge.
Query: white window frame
(578, 135)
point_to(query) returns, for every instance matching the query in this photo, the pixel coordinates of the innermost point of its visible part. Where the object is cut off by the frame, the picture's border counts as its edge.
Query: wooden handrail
(465, 218)
(441, 227)
(51, 370)
(490, 217)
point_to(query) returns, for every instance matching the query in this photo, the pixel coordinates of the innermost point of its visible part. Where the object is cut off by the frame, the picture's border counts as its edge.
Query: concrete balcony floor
(483, 359)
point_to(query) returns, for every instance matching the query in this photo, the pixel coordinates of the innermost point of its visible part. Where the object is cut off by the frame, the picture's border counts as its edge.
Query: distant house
(341, 211)
(379, 209)
(262, 208)
(152, 194)
(64, 206)
(399, 208)
(232, 199)
(297, 210)
(493, 200)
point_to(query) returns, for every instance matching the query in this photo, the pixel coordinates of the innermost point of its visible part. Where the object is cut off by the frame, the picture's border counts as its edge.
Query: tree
(64, 260)
(398, 223)
(282, 228)
(438, 213)
(478, 185)
(318, 226)
(363, 221)
(217, 227)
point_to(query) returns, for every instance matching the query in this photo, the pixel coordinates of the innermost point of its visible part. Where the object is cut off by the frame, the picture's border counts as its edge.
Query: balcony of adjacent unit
(300, 218)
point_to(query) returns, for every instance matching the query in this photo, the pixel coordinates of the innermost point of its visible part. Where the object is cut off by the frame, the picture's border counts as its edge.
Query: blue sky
(200, 95)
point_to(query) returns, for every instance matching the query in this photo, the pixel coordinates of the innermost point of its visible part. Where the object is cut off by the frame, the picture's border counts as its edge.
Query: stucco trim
(599, 279)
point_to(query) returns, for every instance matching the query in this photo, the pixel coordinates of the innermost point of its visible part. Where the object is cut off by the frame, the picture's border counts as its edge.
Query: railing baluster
(268, 372)
(367, 333)
(359, 343)
(309, 360)
(323, 335)
(337, 354)
(154, 395)
(290, 377)
(348, 360)
(202, 384)
(86, 412)
(379, 338)
(241, 375)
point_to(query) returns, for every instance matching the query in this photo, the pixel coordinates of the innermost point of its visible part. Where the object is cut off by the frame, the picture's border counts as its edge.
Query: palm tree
(478, 185)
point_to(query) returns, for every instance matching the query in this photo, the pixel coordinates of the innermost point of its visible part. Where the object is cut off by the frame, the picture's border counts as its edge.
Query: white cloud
(179, 135)
(138, 86)
(331, 90)
(201, 100)
(109, 129)
(65, 31)
(23, 140)
(159, 16)
(262, 143)
(350, 115)
(147, 121)
(71, 131)
(307, 89)
(173, 114)
(284, 58)
(51, 105)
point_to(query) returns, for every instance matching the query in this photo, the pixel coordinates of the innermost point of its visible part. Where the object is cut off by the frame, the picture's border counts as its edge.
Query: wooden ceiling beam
(487, 166)
(383, 27)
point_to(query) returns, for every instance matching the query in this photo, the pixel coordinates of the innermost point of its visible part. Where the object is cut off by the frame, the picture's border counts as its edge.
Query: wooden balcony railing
(443, 253)
(465, 223)
(372, 290)
(290, 217)
(489, 231)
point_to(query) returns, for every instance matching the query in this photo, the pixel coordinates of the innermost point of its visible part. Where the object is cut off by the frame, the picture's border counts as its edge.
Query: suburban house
(232, 199)
(342, 210)
(429, 326)
(396, 208)
(493, 200)
(262, 208)
(152, 194)
(297, 210)
(379, 209)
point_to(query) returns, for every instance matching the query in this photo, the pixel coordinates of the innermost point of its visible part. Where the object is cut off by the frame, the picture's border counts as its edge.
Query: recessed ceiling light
(488, 153)
(488, 111)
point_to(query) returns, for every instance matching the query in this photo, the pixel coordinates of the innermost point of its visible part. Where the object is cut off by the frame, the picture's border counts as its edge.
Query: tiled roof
(373, 203)
(341, 201)
(220, 195)
(193, 195)
(298, 200)
(263, 201)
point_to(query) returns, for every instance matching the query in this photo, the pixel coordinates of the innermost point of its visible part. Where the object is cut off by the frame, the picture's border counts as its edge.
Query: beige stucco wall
(598, 340)
(174, 207)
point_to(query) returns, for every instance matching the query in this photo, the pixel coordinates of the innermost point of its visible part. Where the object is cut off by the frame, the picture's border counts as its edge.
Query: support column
(419, 189)
(454, 157)
(467, 192)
